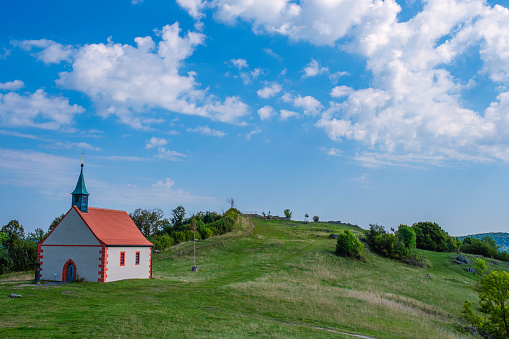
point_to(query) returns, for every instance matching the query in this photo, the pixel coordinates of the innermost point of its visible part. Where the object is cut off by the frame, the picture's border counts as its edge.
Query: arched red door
(69, 271)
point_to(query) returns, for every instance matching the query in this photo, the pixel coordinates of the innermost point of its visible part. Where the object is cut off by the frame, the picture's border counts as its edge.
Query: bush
(485, 246)
(162, 241)
(429, 236)
(179, 236)
(495, 302)
(348, 245)
(407, 235)
(316, 218)
(205, 232)
(389, 245)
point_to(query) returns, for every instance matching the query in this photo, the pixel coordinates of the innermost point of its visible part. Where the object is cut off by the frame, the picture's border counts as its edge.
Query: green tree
(55, 222)
(316, 218)
(149, 222)
(431, 237)
(13, 230)
(476, 321)
(288, 214)
(348, 245)
(306, 217)
(480, 268)
(407, 235)
(37, 235)
(495, 302)
(178, 215)
(3, 237)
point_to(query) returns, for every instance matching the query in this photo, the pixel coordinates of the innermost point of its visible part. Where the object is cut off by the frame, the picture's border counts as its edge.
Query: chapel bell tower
(80, 194)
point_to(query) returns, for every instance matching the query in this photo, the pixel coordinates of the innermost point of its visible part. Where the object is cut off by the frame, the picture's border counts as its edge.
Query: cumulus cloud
(193, 7)
(155, 142)
(36, 110)
(206, 130)
(310, 105)
(269, 91)
(341, 91)
(239, 63)
(266, 112)
(415, 111)
(285, 114)
(334, 77)
(246, 76)
(129, 81)
(12, 85)
(313, 69)
(162, 152)
(49, 52)
(415, 103)
(334, 152)
(253, 132)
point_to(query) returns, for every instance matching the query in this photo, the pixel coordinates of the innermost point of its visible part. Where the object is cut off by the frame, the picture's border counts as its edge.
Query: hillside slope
(281, 281)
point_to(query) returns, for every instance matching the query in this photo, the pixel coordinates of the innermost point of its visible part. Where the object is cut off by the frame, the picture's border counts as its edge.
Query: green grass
(282, 281)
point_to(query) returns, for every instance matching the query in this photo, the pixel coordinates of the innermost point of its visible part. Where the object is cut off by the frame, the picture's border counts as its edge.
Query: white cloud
(36, 110)
(193, 7)
(12, 85)
(51, 52)
(146, 196)
(128, 81)
(341, 91)
(253, 132)
(168, 183)
(73, 145)
(269, 91)
(310, 105)
(155, 142)
(334, 77)
(162, 152)
(54, 174)
(273, 54)
(313, 69)
(206, 130)
(266, 112)
(415, 113)
(166, 154)
(239, 63)
(246, 76)
(335, 152)
(285, 114)
(320, 22)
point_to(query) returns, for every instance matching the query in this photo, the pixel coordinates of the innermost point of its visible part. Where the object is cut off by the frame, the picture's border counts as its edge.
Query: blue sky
(363, 111)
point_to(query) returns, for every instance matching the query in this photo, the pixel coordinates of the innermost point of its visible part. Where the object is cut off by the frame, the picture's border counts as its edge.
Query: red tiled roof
(113, 227)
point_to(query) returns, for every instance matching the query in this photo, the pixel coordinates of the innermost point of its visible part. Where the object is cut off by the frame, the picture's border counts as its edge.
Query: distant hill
(501, 238)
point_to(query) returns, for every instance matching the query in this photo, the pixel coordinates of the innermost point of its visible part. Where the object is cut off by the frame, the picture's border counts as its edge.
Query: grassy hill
(502, 239)
(281, 281)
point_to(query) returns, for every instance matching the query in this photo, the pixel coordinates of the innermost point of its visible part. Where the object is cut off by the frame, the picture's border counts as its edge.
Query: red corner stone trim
(39, 257)
(103, 264)
(150, 265)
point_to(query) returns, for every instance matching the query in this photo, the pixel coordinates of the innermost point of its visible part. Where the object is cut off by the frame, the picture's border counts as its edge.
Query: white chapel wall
(130, 270)
(72, 230)
(86, 260)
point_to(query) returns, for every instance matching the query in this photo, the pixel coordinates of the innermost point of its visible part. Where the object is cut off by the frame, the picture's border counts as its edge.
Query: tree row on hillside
(163, 232)
(18, 251)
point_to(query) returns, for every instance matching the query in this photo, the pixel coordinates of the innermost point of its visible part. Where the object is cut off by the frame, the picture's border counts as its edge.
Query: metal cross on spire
(82, 156)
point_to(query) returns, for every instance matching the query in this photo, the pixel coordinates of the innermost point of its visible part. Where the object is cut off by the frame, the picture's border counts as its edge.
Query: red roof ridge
(106, 209)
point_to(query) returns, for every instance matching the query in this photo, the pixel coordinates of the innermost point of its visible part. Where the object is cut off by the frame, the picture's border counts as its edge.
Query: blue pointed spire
(80, 185)
(80, 193)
